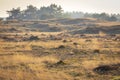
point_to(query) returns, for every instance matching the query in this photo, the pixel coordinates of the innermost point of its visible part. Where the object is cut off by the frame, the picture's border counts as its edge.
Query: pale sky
(108, 6)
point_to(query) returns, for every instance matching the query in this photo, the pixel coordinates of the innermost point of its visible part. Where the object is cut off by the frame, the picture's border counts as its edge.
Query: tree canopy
(55, 11)
(32, 13)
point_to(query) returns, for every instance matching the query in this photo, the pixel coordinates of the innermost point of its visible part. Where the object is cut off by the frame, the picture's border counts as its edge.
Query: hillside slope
(73, 26)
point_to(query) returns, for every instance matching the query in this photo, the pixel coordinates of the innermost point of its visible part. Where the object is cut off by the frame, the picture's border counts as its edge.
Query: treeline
(101, 16)
(33, 13)
(55, 11)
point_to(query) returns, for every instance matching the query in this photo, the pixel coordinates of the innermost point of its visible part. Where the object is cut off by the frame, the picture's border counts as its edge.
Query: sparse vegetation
(34, 52)
(33, 38)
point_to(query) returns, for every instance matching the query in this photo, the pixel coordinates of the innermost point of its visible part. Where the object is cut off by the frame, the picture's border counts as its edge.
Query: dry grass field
(27, 54)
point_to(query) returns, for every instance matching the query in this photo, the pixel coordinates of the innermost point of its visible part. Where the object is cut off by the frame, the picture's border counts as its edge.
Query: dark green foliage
(96, 51)
(64, 41)
(55, 11)
(32, 13)
(60, 63)
(14, 13)
(108, 69)
(33, 38)
(61, 47)
(104, 16)
(1, 19)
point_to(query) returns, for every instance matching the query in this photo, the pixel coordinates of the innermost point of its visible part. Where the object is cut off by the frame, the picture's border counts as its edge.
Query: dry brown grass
(22, 65)
(39, 60)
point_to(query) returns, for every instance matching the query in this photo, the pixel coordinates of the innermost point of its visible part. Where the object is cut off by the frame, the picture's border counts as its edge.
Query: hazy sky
(109, 6)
